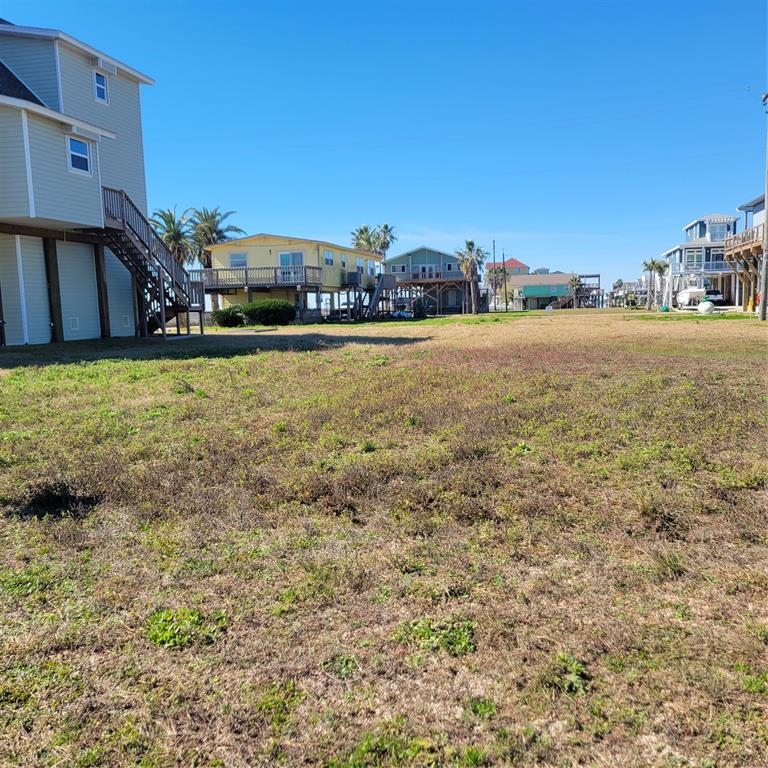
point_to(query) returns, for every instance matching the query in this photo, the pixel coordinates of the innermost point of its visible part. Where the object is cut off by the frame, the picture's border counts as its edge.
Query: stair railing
(120, 207)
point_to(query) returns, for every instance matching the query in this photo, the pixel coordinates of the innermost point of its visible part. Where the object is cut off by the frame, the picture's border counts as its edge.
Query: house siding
(61, 194)
(34, 62)
(14, 194)
(120, 294)
(9, 286)
(122, 159)
(36, 290)
(79, 299)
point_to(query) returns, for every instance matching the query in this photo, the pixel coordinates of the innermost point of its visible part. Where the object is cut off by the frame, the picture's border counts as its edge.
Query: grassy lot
(538, 541)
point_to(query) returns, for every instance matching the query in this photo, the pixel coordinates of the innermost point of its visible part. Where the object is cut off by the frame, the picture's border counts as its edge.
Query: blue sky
(580, 135)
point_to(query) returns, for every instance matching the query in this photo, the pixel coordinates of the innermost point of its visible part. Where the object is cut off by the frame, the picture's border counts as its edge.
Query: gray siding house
(78, 258)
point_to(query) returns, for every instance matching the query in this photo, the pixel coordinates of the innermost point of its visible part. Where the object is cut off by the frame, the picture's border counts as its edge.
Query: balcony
(747, 241)
(423, 277)
(258, 277)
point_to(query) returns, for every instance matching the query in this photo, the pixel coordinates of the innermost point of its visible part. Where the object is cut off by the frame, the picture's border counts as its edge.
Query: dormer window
(79, 155)
(101, 87)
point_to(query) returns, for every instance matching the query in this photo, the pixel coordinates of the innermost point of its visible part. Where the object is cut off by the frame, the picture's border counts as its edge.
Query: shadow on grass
(219, 345)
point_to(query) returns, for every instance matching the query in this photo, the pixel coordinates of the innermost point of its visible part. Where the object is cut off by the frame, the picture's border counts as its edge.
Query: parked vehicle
(715, 296)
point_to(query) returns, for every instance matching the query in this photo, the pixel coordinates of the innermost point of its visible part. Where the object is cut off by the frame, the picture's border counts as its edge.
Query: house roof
(248, 239)
(11, 85)
(421, 248)
(717, 217)
(753, 205)
(549, 279)
(72, 122)
(6, 28)
(509, 263)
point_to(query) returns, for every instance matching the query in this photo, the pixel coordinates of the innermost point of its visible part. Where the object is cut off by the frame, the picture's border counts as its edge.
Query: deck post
(54, 288)
(163, 327)
(101, 290)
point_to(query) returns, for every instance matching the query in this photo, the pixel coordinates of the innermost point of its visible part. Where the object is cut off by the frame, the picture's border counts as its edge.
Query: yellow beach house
(315, 275)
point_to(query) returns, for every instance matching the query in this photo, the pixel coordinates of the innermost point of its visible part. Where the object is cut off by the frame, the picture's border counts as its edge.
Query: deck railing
(119, 207)
(752, 235)
(257, 277)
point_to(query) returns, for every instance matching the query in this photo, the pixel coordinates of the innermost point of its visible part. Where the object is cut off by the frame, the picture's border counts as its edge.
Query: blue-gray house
(78, 258)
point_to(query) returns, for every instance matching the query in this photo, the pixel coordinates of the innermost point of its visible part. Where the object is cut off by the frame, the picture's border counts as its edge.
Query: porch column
(101, 290)
(54, 288)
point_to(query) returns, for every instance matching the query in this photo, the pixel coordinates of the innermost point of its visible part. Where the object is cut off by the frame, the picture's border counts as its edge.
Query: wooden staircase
(164, 289)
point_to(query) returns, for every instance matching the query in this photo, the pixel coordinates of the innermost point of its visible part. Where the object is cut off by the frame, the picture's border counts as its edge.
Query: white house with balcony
(78, 257)
(699, 261)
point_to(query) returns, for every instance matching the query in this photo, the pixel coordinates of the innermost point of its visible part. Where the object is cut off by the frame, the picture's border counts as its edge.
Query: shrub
(232, 316)
(482, 707)
(456, 636)
(183, 626)
(269, 312)
(566, 674)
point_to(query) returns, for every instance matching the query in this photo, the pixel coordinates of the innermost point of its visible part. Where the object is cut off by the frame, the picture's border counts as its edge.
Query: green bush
(269, 312)
(184, 626)
(232, 316)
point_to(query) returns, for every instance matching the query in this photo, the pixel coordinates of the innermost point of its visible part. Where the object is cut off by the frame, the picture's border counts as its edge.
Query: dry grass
(535, 542)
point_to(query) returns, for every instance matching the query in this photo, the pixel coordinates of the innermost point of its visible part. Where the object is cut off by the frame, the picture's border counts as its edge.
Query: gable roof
(713, 217)
(11, 85)
(6, 28)
(509, 263)
(421, 248)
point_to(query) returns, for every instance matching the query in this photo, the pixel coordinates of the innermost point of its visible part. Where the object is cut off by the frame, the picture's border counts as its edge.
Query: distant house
(538, 291)
(744, 252)
(312, 274)
(511, 266)
(78, 258)
(699, 261)
(432, 276)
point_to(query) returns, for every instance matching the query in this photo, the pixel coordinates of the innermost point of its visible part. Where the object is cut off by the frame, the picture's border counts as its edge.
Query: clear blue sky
(580, 135)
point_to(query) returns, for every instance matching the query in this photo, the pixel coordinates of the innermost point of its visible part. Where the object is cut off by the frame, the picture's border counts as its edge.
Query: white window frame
(291, 254)
(239, 254)
(328, 258)
(371, 265)
(88, 156)
(96, 86)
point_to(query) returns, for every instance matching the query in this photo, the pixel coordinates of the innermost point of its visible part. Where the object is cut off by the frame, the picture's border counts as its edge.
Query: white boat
(689, 297)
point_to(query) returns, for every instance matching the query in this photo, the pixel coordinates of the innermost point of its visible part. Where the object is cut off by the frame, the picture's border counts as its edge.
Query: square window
(238, 260)
(101, 87)
(79, 154)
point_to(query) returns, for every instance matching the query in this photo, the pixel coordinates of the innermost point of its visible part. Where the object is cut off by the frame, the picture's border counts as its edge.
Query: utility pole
(504, 270)
(495, 278)
(764, 276)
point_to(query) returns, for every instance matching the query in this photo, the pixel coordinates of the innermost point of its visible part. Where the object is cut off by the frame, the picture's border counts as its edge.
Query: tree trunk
(473, 294)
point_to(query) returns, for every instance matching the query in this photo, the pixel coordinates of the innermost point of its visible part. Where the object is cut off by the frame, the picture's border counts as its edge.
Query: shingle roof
(509, 263)
(549, 279)
(10, 85)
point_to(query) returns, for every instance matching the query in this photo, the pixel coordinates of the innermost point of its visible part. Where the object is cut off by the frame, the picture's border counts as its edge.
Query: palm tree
(364, 238)
(661, 270)
(653, 267)
(470, 259)
(575, 284)
(175, 231)
(208, 229)
(384, 237)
